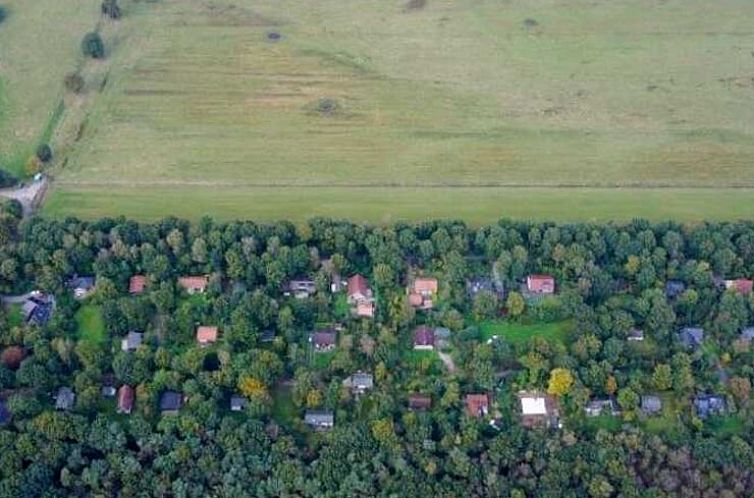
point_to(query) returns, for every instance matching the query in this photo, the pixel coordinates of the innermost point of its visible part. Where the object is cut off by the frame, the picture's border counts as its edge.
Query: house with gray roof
(170, 402)
(319, 419)
(651, 404)
(359, 382)
(706, 405)
(65, 398)
(674, 288)
(238, 403)
(82, 286)
(691, 337)
(38, 308)
(747, 334)
(602, 406)
(132, 341)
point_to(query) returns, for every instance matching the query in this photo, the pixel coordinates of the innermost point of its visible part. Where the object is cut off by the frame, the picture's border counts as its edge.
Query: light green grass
(626, 94)
(519, 333)
(15, 315)
(381, 205)
(39, 44)
(605, 422)
(90, 325)
(284, 411)
(322, 360)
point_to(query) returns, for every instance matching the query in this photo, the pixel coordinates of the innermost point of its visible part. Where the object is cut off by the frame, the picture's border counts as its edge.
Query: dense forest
(233, 354)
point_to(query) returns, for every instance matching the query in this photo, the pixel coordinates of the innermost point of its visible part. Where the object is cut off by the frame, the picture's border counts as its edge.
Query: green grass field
(473, 109)
(39, 44)
(517, 333)
(90, 325)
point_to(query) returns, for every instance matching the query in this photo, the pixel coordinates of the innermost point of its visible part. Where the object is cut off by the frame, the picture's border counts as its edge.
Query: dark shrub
(44, 153)
(74, 82)
(12, 207)
(111, 9)
(92, 46)
(3, 13)
(6, 179)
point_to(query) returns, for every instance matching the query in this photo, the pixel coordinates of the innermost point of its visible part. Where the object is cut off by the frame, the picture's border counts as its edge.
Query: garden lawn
(517, 333)
(91, 326)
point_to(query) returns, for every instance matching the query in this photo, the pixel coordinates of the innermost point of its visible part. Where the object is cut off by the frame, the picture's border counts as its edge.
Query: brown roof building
(324, 340)
(477, 405)
(137, 284)
(424, 338)
(125, 399)
(419, 402)
(358, 288)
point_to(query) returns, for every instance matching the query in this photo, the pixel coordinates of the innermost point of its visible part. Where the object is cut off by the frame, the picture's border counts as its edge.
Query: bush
(92, 46)
(74, 82)
(44, 153)
(111, 9)
(7, 179)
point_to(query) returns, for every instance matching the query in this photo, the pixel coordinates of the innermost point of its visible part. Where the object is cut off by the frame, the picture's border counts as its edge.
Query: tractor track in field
(393, 185)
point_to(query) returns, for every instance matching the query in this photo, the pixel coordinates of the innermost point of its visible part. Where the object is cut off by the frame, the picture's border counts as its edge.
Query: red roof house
(421, 292)
(540, 284)
(206, 335)
(125, 399)
(194, 285)
(477, 405)
(741, 285)
(358, 289)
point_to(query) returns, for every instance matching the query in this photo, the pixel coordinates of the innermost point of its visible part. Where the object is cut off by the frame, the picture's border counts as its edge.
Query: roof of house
(424, 336)
(205, 333)
(600, 404)
(38, 308)
(137, 284)
(636, 334)
(742, 285)
(85, 283)
(692, 336)
(319, 418)
(65, 398)
(419, 401)
(651, 403)
(480, 284)
(360, 380)
(425, 285)
(747, 333)
(132, 341)
(5, 414)
(194, 282)
(415, 299)
(125, 398)
(267, 335)
(540, 283)
(709, 404)
(170, 401)
(533, 404)
(324, 338)
(477, 404)
(365, 308)
(238, 402)
(674, 288)
(358, 284)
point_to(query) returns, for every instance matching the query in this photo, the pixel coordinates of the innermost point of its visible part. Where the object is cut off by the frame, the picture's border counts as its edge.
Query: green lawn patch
(604, 422)
(725, 427)
(322, 360)
(15, 315)
(284, 411)
(517, 333)
(91, 326)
